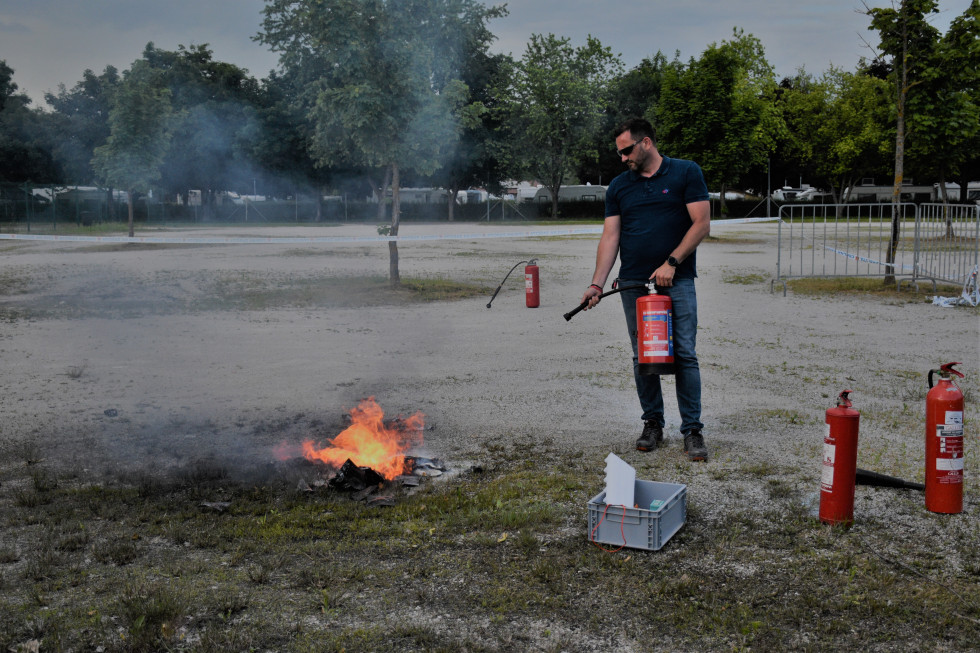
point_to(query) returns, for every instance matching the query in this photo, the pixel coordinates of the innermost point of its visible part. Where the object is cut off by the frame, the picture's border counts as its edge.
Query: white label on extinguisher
(827, 477)
(954, 417)
(528, 283)
(949, 431)
(949, 464)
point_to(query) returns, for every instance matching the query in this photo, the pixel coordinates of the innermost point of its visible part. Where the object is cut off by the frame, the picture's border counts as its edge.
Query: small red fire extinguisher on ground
(944, 443)
(532, 285)
(655, 333)
(839, 463)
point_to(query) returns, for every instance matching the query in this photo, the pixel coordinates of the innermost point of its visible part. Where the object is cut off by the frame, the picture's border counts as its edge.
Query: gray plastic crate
(641, 528)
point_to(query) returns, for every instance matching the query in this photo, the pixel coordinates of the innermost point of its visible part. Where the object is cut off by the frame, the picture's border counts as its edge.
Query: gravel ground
(123, 359)
(146, 355)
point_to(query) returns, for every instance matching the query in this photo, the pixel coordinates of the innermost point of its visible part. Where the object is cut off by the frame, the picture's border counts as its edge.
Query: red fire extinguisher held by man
(839, 463)
(944, 443)
(654, 333)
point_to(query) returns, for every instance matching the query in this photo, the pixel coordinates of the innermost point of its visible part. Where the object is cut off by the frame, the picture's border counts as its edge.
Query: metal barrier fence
(934, 242)
(946, 242)
(843, 240)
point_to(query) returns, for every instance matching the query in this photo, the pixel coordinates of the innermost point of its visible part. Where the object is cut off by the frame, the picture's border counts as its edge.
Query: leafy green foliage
(132, 156)
(24, 155)
(551, 105)
(720, 110)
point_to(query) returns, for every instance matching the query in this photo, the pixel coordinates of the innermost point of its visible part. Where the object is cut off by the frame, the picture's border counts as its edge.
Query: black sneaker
(694, 446)
(652, 436)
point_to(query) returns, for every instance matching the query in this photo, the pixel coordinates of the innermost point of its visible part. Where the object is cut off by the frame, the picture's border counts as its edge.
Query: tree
(380, 80)
(24, 156)
(960, 50)
(944, 119)
(910, 41)
(721, 110)
(551, 107)
(139, 137)
(837, 127)
(635, 93)
(215, 109)
(474, 162)
(80, 118)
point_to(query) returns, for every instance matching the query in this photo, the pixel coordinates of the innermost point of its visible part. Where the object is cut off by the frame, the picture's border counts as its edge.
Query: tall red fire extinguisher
(944, 443)
(839, 462)
(532, 285)
(655, 333)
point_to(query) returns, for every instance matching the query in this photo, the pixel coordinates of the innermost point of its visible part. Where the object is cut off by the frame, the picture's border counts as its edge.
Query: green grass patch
(474, 561)
(745, 279)
(868, 286)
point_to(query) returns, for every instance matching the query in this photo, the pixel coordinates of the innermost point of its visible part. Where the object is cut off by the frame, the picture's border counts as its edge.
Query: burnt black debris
(364, 483)
(350, 477)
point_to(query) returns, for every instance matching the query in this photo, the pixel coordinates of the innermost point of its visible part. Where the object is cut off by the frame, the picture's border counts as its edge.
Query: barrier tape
(871, 261)
(294, 240)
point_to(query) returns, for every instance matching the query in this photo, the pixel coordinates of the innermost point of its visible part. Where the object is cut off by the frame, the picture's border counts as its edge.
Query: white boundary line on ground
(292, 240)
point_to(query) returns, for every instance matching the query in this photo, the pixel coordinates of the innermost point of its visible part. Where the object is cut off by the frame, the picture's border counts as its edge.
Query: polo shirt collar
(662, 170)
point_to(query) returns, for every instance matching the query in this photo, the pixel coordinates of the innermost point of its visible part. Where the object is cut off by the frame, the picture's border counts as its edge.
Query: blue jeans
(688, 374)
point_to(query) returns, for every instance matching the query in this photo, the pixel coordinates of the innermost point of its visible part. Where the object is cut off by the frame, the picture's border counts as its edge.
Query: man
(657, 213)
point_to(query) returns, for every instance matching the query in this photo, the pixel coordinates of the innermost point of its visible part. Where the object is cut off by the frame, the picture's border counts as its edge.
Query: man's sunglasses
(626, 151)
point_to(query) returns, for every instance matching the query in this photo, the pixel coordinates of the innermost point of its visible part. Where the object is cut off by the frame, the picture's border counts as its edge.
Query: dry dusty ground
(147, 358)
(175, 337)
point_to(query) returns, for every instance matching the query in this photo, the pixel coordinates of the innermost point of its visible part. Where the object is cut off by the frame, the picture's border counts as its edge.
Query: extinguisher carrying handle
(945, 370)
(581, 307)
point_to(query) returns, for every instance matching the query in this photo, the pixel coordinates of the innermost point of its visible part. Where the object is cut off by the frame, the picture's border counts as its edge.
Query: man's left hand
(664, 275)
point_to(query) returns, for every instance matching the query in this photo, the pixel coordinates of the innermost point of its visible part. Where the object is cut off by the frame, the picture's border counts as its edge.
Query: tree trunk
(899, 156)
(451, 213)
(944, 195)
(382, 213)
(394, 278)
(131, 214)
(109, 212)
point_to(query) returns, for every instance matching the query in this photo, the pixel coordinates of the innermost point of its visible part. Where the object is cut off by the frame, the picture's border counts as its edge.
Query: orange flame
(367, 442)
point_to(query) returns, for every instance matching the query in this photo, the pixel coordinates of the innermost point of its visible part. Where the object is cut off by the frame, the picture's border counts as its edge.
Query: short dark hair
(638, 129)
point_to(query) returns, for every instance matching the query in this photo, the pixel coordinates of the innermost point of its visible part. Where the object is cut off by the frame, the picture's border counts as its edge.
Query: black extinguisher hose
(494, 296)
(572, 313)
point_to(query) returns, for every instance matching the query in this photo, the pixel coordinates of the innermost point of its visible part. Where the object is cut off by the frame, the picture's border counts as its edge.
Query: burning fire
(368, 442)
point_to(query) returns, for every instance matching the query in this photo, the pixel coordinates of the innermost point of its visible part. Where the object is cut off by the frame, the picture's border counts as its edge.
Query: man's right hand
(591, 296)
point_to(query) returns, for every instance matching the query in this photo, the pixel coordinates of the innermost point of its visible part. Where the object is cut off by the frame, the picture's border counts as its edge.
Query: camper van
(869, 192)
(953, 192)
(586, 193)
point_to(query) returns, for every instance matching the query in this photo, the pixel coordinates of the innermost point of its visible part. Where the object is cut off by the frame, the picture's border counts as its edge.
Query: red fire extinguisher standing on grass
(655, 333)
(839, 463)
(944, 443)
(532, 285)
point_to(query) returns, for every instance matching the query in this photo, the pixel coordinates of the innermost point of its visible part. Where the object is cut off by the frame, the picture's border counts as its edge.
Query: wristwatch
(672, 262)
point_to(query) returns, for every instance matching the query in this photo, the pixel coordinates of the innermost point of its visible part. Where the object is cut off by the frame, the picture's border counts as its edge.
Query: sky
(52, 42)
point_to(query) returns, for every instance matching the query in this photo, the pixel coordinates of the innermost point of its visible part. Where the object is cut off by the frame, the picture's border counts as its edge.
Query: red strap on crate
(621, 530)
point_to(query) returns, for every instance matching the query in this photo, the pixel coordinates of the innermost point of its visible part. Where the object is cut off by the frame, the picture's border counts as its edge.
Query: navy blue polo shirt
(654, 218)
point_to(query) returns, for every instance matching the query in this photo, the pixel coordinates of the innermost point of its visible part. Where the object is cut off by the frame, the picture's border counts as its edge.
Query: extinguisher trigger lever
(842, 398)
(948, 368)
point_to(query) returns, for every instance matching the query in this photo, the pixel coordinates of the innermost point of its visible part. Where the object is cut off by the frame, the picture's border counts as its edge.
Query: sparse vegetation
(147, 569)
(870, 286)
